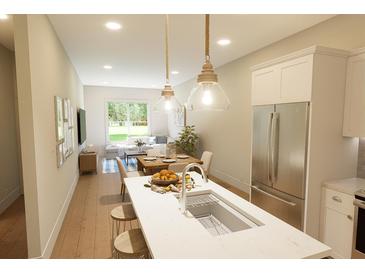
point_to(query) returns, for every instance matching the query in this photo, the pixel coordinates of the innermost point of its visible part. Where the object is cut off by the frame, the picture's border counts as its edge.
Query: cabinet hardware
(337, 199)
(349, 217)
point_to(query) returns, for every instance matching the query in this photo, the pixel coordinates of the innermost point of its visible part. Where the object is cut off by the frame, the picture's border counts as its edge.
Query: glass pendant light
(167, 101)
(208, 94)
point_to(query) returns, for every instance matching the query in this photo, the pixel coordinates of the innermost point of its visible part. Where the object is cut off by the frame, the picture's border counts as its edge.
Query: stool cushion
(124, 212)
(131, 242)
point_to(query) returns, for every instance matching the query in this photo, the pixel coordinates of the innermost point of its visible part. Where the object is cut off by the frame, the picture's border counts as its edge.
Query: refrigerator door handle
(269, 130)
(274, 147)
(273, 196)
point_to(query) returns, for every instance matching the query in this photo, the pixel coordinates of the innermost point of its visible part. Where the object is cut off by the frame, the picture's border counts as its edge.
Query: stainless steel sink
(216, 215)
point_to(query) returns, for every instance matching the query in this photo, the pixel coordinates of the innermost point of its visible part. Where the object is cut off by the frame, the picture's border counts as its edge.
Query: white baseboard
(9, 199)
(230, 180)
(47, 252)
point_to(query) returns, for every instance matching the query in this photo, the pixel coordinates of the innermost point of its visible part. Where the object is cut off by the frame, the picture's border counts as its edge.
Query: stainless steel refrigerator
(279, 152)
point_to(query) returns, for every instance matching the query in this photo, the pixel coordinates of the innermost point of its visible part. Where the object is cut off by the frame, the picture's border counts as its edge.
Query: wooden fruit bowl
(160, 182)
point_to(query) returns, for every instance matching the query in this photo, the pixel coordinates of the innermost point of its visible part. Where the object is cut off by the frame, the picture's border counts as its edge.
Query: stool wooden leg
(118, 228)
(112, 239)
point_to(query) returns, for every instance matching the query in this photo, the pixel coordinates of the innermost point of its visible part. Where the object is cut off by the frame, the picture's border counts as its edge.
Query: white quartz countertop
(171, 234)
(348, 186)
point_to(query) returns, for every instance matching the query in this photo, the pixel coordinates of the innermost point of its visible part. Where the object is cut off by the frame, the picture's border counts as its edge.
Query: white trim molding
(9, 199)
(47, 252)
(307, 51)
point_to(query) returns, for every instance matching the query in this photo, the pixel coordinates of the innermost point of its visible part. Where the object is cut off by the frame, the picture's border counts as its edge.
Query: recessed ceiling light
(113, 25)
(174, 72)
(4, 16)
(223, 42)
(105, 82)
(107, 67)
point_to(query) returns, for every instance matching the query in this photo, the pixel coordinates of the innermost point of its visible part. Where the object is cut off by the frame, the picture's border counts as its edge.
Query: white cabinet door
(337, 233)
(354, 114)
(296, 80)
(265, 86)
(287, 82)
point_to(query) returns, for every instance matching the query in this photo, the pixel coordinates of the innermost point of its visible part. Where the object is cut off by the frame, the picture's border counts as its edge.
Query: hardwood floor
(86, 230)
(13, 236)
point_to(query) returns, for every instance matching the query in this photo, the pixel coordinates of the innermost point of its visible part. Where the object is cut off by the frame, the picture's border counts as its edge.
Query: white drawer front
(339, 201)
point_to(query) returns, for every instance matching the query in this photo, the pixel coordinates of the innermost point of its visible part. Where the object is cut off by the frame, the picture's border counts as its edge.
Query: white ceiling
(7, 33)
(136, 52)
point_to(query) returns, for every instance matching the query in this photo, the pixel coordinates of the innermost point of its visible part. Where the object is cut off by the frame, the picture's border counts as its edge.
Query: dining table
(149, 167)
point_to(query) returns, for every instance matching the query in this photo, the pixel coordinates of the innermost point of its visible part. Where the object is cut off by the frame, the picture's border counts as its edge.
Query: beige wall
(9, 147)
(228, 134)
(95, 102)
(43, 71)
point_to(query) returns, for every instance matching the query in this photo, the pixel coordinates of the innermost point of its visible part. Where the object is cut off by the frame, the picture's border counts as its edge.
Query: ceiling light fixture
(167, 101)
(113, 25)
(224, 42)
(208, 94)
(107, 67)
(4, 16)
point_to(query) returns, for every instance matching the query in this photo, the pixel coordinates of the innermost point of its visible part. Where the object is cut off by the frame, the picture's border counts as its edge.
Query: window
(126, 119)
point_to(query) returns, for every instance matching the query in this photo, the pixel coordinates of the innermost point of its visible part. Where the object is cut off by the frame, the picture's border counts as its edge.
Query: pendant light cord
(167, 48)
(207, 37)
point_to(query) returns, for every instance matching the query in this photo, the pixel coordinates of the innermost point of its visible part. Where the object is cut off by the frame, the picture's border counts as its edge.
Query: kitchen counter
(171, 234)
(347, 186)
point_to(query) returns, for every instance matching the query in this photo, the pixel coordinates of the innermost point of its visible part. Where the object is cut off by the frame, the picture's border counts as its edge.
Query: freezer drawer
(288, 208)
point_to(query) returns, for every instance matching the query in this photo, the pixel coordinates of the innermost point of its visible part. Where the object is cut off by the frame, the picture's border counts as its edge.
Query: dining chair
(207, 160)
(178, 167)
(153, 152)
(124, 174)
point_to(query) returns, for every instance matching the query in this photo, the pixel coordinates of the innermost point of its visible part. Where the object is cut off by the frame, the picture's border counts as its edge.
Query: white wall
(228, 134)
(43, 71)
(95, 100)
(9, 147)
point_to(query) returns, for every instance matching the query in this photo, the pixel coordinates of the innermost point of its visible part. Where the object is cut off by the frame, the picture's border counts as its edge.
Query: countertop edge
(347, 186)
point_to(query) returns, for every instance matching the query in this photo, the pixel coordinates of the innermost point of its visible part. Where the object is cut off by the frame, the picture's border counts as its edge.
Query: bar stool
(122, 213)
(131, 245)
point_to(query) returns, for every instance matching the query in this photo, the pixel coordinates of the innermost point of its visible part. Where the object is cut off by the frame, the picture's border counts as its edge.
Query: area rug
(111, 166)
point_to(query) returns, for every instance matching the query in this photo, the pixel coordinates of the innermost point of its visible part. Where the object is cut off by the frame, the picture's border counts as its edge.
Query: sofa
(152, 142)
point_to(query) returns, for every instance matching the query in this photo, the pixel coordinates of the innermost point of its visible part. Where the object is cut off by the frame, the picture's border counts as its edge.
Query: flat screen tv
(81, 125)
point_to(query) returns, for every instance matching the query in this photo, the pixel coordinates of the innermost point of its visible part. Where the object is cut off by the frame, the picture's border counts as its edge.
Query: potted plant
(139, 143)
(188, 140)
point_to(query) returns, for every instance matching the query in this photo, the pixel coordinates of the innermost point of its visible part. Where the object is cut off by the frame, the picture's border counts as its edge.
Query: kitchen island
(172, 234)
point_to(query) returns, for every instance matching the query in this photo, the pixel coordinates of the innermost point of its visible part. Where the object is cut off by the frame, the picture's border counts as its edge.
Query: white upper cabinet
(285, 82)
(265, 86)
(296, 80)
(354, 114)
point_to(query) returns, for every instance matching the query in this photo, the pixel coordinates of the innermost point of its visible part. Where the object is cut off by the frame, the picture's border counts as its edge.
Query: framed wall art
(180, 117)
(58, 102)
(64, 129)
